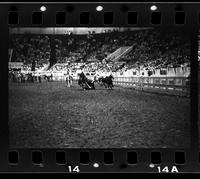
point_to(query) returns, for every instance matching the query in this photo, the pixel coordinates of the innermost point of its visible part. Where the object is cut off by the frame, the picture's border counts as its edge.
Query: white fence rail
(180, 84)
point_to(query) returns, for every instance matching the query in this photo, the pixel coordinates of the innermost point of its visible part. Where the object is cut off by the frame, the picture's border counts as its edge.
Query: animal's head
(111, 76)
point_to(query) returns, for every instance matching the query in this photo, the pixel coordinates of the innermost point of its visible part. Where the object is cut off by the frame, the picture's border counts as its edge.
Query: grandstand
(124, 53)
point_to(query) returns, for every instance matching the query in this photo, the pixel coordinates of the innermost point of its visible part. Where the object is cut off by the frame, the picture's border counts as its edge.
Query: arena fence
(170, 85)
(165, 84)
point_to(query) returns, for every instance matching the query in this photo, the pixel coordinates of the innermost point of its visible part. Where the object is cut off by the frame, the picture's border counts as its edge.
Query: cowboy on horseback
(107, 81)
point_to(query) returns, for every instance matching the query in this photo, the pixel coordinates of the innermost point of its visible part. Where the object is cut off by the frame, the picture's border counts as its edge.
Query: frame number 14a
(165, 169)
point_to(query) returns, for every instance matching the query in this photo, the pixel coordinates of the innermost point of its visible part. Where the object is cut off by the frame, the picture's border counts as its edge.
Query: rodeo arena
(99, 88)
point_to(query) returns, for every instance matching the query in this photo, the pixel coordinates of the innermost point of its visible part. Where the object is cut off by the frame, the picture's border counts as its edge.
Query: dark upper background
(72, 1)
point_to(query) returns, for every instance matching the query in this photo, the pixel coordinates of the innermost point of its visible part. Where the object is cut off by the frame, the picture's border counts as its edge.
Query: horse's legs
(93, 87)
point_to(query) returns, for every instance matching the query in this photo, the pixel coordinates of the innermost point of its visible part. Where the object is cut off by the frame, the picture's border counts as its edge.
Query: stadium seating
(151, 49)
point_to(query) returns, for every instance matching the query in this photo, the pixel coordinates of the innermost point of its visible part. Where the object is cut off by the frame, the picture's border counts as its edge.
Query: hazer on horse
(107, 81)
(84, 82)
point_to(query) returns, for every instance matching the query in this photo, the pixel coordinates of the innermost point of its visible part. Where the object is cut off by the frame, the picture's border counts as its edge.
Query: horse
(107, 81)
(84, 82)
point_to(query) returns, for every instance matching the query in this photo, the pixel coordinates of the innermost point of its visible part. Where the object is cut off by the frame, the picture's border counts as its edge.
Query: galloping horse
(84, 82)
(107, 81)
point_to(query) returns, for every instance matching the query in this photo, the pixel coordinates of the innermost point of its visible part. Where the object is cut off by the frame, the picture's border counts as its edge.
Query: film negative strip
(99, 87)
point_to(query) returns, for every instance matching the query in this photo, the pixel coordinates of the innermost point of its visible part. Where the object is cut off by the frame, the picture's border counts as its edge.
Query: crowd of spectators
(157, 50)
(29, 48)
(151, 49)
(92, 47)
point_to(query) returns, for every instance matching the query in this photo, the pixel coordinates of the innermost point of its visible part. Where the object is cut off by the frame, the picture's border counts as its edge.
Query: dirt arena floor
(51, 115)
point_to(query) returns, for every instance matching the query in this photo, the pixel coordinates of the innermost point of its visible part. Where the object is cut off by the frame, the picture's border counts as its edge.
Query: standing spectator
(32, 79)
(141, 81)
(67, 80)
(21, 77)
(39, 79)
(51, 77)
(70, 80)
